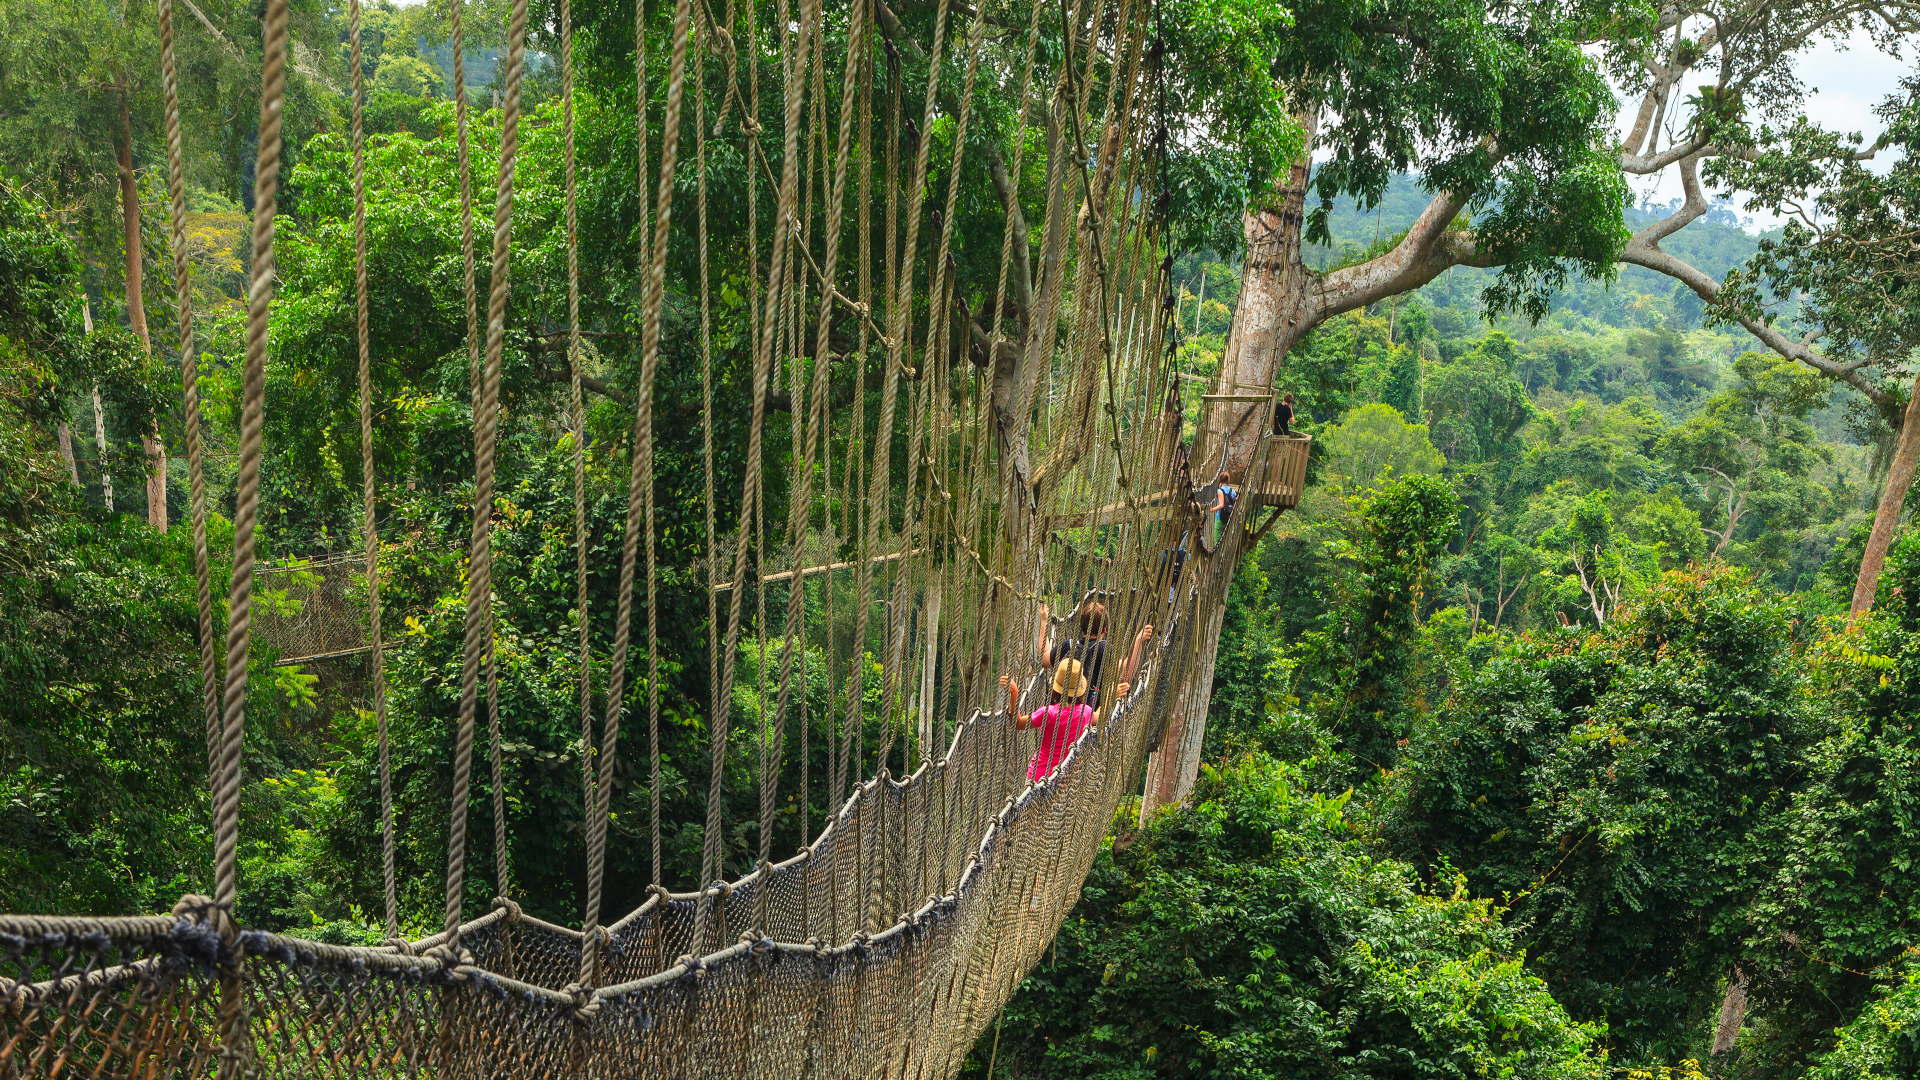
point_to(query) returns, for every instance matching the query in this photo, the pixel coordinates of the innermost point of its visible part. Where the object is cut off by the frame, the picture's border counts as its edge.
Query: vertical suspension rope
(486, 431)
(706, 407)
(246, 513)
(794, 88)
(856, 511)
(578, 407)
(501, 862)
(640, 510)
(369, 528)
(190, 393)
(246, 516)
(763, 362)
(640, 187)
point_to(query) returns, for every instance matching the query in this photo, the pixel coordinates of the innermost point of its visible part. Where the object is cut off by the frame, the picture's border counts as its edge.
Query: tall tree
(1502, 114)
(1846, 255)
(1788, 165)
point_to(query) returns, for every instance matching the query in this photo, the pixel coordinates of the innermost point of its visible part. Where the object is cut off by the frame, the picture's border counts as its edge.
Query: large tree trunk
(1280, 302)
(1272, 315)
(156, 450)
(1892, 498)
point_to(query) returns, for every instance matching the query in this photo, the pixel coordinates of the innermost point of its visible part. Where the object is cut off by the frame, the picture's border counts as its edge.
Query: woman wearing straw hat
(1060, 722)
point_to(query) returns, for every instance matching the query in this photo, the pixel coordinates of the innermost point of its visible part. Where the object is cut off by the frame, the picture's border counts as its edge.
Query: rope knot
(513, 910)
(400, 945)
(691, 963)
(750, 126)
(819, 947)
(449, 956)
(585, 1005)
(195, 906)
(207, 910)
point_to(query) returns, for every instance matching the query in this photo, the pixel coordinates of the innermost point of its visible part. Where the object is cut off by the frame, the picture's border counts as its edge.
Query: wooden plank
(812, 571)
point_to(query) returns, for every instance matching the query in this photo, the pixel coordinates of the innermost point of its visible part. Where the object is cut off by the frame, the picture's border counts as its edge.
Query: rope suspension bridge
(1026, 448)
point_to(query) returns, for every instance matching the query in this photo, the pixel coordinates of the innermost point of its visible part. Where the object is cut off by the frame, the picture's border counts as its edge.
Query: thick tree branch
(1020, 264)
(232, 50)
(1428, 249)
(587, 382)
(1644, 251)
(1642, 166)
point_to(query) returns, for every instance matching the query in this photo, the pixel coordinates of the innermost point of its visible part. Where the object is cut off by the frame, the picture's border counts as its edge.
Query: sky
(1850, 80)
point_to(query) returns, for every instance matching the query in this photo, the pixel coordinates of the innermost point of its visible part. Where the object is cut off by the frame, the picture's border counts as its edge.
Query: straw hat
(1067, 680)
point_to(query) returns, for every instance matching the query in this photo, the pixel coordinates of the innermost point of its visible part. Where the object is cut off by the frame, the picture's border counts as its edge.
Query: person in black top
(1283, 415)
(1090, 647)
(1172, 562)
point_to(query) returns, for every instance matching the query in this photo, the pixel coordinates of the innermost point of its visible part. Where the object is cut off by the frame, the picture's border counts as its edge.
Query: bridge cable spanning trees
(973, 428)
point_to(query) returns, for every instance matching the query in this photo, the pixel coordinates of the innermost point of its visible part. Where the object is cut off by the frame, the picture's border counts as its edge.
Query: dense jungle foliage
(1536, 728)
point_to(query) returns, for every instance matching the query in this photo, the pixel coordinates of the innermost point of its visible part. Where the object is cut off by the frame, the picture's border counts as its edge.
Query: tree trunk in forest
(1887, 518)
(65, 433)
(1280, 302)
(1733, 1013)
(156, 451)
(100, 443)
(99, 415)
(1270, 318)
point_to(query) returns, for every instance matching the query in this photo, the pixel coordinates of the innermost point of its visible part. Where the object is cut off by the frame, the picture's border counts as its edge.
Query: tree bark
(156, 451)
(100, 442)
(65, 433)
(1733, 1013)
(1887, 519)
(1281, 300)
(99, 415)
(1271, 316)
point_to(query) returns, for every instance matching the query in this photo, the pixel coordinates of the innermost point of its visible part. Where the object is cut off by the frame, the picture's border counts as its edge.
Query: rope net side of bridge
(1022, 452)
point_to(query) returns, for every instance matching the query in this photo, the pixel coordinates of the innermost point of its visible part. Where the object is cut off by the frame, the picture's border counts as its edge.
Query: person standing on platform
(1283, 415)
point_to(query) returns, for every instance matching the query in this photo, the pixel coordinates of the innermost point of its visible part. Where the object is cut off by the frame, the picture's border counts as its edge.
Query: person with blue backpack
(1225, 495)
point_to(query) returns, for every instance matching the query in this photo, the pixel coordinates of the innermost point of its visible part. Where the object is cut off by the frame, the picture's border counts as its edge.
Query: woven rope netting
(1020, 453)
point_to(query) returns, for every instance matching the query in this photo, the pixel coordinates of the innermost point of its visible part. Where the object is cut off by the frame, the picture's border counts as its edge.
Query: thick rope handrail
(486, 430)
(369, 527)
(190, 394)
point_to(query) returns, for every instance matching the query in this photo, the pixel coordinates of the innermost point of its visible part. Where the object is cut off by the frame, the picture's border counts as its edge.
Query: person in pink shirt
(1060, 721)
